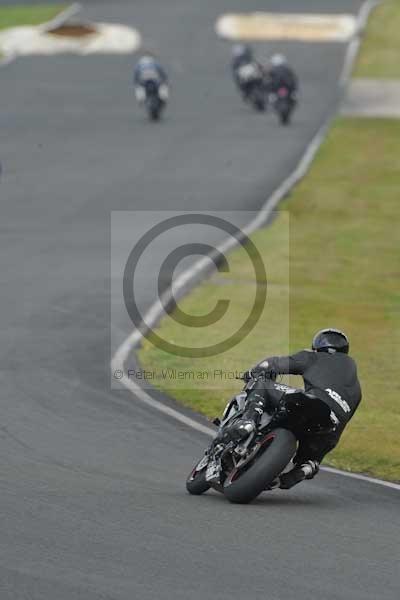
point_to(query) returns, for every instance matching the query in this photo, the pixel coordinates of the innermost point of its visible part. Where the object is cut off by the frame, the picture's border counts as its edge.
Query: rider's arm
(295, 364)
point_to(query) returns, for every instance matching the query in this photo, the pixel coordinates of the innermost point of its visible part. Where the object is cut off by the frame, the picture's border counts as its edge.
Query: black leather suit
(332, 390)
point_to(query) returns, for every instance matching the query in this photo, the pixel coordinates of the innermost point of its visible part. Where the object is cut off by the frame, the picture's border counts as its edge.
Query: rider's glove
(247, 375)
(253, 373)
(140, 94)
(163, 92)
(262, 369)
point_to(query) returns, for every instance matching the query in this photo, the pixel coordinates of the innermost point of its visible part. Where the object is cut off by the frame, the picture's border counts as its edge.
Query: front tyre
(154, 114)
(244, 484)
(196, 483)
(258, 100)
(154, 108)
(259, 104)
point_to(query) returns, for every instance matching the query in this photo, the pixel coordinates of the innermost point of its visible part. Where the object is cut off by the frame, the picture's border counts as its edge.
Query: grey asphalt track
(92, 498)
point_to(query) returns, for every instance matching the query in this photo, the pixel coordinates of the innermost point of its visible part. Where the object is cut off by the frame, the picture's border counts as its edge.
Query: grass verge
(13, 16)
(379, 56)
(344, 269)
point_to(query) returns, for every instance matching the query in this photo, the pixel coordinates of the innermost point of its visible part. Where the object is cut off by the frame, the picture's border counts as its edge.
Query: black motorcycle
(241, 470)
(284, 103)
(251, 85)
(154, 103)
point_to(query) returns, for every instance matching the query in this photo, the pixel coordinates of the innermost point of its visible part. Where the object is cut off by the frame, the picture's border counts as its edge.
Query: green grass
(379, 56)
(344, 267)
(12, 16)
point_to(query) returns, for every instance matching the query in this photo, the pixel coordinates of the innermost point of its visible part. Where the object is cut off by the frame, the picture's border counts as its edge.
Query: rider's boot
(307, 470)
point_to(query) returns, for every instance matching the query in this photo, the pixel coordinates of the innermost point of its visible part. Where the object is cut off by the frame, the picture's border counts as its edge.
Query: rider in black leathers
(332, 390)
(280, 74)
(246, 71)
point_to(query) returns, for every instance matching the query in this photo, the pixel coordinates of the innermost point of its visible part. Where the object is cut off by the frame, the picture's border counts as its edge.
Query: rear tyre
(196, 483)
(241, 487)
(285, 113)
(285, 118)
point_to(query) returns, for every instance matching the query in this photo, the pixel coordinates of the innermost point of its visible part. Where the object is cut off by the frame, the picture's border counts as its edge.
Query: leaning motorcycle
(241, 470)
(284, 103)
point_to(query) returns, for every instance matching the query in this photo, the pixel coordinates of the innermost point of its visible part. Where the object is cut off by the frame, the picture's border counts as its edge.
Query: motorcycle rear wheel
(285, 118)
(243, 486)
(285, 114)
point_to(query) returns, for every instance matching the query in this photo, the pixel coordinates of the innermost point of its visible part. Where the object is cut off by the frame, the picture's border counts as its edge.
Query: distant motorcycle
(155, 99)
(283, 102)
(251, 85)
(241, 470)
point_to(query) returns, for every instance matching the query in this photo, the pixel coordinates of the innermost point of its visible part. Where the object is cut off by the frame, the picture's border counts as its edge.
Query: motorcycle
(241, 470)
(283, 102)
(155, 99)
(252, 87)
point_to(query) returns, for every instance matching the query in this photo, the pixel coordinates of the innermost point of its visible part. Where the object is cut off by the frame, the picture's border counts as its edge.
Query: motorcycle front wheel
(196, 483)
(154, 114)
(259, 104)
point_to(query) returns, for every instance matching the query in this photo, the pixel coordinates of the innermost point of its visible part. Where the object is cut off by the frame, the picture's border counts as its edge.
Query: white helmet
(244, 51)
(278, 60)
(146, 60)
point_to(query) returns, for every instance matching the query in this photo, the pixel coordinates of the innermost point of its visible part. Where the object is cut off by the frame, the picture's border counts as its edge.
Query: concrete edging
(58, 20)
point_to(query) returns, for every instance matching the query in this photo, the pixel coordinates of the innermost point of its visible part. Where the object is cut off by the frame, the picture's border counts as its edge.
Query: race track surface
(92, 497)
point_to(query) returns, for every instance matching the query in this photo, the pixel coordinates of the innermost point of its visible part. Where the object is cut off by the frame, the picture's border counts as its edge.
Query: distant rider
(332, 393)
(280, 75)
(149, 71)
(245, 69)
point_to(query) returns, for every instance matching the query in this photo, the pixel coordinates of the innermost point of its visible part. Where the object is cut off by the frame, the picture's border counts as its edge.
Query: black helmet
(330, 340)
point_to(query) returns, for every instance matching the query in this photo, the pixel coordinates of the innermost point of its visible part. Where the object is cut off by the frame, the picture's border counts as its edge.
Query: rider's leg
(313, 446)
(262, 396)
(312, 450)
